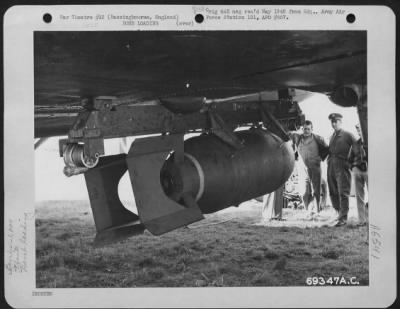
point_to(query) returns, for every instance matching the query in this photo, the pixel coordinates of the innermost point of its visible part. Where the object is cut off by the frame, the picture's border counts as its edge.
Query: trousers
(273, 204)
(360, 183)
(324, 193)
(312, 186)
(339, 184)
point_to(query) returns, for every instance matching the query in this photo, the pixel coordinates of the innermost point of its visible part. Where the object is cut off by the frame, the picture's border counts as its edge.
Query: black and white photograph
(235, 158)
(228, 154)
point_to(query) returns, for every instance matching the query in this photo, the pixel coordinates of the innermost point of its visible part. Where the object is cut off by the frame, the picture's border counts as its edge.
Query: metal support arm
(104, 118)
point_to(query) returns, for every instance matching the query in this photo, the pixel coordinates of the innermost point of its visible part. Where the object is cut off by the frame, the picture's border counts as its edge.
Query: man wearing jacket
(312, 149)
(359, 167)
(339, 175)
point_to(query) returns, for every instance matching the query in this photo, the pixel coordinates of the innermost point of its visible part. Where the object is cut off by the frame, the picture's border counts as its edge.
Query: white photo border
(20, 288)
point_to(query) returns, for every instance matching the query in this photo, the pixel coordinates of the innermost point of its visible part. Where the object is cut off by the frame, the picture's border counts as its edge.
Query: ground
(229, 248)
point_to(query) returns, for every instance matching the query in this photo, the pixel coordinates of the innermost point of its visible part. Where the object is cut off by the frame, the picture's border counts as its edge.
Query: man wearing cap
(313, 150)
(339, 174)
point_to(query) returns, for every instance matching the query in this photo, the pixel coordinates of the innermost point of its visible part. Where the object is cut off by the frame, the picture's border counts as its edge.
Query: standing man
(313, 150)
(339, 175)
(359, 166)
(273, 204)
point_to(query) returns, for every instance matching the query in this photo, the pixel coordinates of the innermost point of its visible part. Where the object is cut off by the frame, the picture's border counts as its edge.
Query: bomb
(218, 176)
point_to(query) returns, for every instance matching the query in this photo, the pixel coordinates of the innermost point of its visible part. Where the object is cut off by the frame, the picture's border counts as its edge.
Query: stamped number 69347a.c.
(339, 280)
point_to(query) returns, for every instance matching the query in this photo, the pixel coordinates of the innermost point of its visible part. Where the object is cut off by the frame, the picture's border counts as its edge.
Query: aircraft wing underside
(143, 66)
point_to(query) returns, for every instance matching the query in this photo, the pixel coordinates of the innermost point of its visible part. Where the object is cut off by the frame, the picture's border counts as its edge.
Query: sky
(317, 109)
(51, 184)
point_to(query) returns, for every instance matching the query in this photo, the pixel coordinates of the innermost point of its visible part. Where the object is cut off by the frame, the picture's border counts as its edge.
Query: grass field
(230, 248)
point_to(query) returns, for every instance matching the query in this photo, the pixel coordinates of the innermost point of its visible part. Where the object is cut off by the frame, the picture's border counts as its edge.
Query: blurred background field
(234, 247)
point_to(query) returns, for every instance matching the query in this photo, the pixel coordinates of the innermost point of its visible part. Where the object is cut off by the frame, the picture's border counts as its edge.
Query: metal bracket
(105, 118)
(221, 130)
(87, 125)
(93, 147)
(272, 124)
(101, 103)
